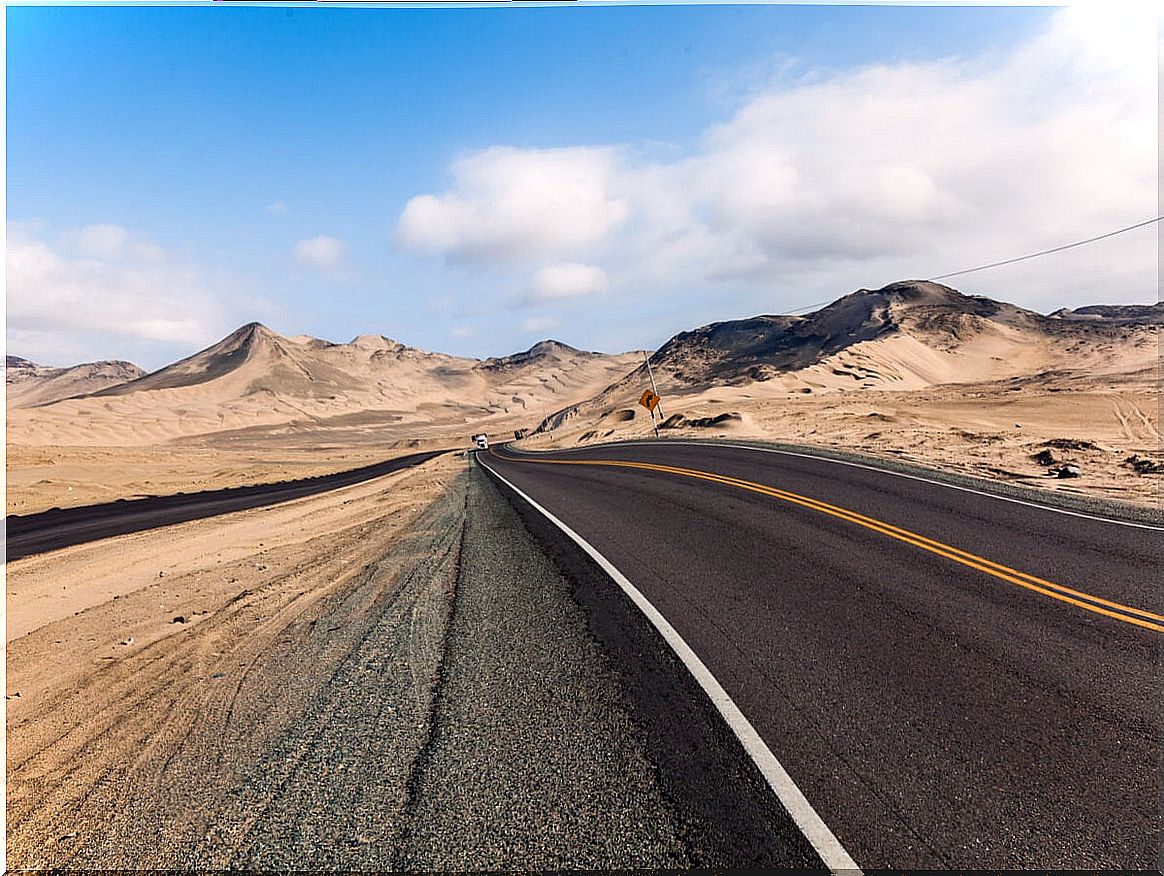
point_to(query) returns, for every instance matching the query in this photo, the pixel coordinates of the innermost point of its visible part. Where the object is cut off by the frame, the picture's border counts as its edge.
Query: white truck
(481, 440)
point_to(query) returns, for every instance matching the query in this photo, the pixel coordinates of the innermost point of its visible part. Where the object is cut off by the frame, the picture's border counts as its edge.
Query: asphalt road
(36, 533)
(952, 679)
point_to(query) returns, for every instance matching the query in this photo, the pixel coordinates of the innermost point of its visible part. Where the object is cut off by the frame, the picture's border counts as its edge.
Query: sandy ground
(992, 429)
(112, 634)
(190, 567)
(39, 478)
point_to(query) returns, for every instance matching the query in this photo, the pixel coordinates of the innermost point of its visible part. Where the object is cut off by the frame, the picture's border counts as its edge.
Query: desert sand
(118, 649)
(992, 430)
(40, 478)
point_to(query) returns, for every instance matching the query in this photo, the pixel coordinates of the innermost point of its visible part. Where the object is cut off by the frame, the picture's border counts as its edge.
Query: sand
(40, 478)
(167, 648)
(190, 568)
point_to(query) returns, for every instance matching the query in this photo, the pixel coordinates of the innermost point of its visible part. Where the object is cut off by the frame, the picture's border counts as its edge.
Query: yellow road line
(1128, 614)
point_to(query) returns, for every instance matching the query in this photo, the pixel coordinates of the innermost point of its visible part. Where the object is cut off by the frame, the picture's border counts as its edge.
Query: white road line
(875, 468)
(823, 840)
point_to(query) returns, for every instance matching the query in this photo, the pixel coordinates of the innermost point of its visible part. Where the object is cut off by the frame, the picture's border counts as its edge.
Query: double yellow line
(1126, 613)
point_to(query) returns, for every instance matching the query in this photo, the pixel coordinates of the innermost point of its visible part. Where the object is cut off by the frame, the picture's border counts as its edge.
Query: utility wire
(807, 307)
(1010, 261)
(1047, 251)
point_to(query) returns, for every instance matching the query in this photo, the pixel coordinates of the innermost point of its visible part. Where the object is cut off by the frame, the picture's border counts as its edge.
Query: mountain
(28, 384)
(538, 355)
(1124, 314)
(906, 336)
(940, 318)
(256, 382)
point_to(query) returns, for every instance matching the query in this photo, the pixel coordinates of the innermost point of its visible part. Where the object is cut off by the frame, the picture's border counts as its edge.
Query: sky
(472, 180)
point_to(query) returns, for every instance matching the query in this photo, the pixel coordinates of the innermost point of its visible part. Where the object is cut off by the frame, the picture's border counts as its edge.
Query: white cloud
(461, 332)
(104, 291)
(276, 208)
(823, 183)
(103, 241)
(511, 204)
(322, 253)
(568, 280)
(538, 324)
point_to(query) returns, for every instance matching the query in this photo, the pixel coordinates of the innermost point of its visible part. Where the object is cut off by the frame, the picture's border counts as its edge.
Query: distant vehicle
(481, 441)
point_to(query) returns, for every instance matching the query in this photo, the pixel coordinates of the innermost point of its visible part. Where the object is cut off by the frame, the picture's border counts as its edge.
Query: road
(36, 533)
(950, 678)
(420, 689)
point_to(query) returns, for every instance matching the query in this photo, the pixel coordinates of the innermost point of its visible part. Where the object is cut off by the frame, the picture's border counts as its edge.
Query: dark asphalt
(934, 715)
(36, 533)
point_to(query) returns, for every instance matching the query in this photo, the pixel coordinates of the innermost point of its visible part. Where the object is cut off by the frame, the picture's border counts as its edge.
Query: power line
(1047, 251)
(807, 307)
(1009, 261)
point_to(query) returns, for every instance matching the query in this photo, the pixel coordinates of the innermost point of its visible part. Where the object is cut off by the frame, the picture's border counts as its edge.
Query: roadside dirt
(121, 716)
(39, 478)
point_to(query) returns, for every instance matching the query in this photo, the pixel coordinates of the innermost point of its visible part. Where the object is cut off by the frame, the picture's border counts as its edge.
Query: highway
(949, 678)
(49, 530)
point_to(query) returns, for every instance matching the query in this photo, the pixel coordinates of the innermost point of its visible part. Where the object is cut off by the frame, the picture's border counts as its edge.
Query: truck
(481, 440)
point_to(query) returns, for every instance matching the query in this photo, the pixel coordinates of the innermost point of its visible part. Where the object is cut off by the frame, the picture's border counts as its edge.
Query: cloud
(276, 208)
(461, 332)
(821, 183)
(105, 291)
(568, 280)
(103, 241)
(324, 254)
(538, 324)
(510, 204)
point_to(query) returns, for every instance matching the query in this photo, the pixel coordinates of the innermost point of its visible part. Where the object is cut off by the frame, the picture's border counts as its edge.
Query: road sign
(649, 400)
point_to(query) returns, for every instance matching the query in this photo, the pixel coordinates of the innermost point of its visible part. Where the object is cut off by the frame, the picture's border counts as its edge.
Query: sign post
(650, 397)
(650, 401)
(654, 388)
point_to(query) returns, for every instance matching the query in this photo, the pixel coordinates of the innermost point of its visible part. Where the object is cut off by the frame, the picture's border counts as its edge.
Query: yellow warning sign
(649, 400)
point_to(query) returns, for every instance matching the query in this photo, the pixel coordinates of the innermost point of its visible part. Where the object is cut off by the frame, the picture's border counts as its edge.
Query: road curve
(36, 533)
(951, 679)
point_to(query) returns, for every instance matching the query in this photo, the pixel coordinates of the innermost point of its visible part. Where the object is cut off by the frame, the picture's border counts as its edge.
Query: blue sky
(471, 180)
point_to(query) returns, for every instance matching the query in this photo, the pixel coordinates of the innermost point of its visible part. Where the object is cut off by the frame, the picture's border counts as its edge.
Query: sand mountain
(28, 384)
(905, 336)
(256, 382)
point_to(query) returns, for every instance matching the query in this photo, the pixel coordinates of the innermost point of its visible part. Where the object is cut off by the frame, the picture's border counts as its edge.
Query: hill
(906, 336)
(28, 384)
(255, 383)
